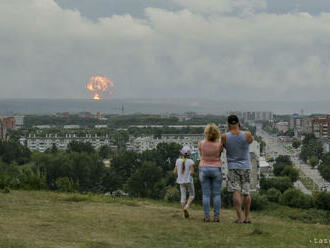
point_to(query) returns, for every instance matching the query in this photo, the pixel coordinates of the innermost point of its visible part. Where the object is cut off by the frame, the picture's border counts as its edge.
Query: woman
(210, 173)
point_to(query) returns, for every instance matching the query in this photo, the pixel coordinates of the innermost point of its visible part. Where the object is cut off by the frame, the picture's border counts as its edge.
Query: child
(184, 168)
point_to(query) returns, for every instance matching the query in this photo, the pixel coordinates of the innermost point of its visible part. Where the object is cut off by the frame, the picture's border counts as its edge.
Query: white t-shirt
(186, 176)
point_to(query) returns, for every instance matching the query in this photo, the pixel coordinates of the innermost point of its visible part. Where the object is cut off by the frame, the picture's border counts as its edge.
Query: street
(275, 148)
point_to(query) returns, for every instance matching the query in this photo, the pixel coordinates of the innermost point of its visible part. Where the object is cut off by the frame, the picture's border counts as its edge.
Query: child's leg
(191, 190)
(183, 195)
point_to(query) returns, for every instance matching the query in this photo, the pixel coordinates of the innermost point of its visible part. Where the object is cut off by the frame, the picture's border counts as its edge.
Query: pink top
(210, 154)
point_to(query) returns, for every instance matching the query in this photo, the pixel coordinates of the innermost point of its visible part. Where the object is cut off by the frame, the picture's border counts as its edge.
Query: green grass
(33, 219)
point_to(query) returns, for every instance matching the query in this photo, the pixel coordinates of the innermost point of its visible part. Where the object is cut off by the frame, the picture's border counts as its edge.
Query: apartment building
(41, 144)
(320, 127)
(254, 116)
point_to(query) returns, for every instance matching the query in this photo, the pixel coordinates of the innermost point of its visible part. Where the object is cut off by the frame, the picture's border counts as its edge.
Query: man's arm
(249, 137)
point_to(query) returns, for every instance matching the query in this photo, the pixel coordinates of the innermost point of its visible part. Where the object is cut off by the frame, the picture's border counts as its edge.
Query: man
(236, 142)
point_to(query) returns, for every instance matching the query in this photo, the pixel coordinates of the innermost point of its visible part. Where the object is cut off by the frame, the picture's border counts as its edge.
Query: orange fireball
(100, 87)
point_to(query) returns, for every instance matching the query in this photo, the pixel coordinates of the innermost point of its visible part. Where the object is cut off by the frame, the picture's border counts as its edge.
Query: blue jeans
(211, 179)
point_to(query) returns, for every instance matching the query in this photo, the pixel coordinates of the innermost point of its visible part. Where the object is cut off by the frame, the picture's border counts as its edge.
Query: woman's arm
(175, 171)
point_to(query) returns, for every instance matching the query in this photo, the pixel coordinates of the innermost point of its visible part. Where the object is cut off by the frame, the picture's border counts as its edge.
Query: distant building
(253, 116)
(101, 126)
(41, 144)
(19, 122)
(71, 126)
(10, 122)
(3, 130)
(326, 145)
(282, 126)
(320, 127)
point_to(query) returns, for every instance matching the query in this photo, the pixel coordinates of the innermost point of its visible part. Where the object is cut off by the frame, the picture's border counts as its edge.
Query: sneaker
(216, 219)
(206, 219)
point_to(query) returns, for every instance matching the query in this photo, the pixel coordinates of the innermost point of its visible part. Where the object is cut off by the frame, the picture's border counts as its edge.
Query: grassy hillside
(45, 219)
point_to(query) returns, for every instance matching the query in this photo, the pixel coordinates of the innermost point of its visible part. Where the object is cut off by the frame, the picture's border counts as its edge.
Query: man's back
(237, 151)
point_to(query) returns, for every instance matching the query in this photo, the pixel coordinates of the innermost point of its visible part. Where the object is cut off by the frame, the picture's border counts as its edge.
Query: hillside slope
(45, 219)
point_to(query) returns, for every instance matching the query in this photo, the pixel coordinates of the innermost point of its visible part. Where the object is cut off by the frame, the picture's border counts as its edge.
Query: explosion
(100, 86)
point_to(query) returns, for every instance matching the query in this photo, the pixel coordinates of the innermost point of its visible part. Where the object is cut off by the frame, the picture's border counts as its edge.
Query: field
(45, 219)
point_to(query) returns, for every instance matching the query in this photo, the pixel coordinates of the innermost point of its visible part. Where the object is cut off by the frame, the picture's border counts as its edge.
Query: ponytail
(183, 168)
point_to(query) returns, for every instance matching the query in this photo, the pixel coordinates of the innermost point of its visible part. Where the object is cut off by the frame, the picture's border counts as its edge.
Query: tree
(290, 172)
(296, 143)
(76, 146)
(143, 183)
(313, 161)
(104, 151)
(284, 159)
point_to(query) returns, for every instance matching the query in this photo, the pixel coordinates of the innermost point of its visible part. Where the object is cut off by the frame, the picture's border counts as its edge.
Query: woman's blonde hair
(212, 132)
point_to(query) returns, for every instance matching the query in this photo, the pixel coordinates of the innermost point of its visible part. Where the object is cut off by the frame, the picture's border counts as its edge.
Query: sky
(244, 50)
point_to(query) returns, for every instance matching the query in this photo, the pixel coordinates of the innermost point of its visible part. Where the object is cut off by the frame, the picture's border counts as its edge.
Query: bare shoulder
(249, 136)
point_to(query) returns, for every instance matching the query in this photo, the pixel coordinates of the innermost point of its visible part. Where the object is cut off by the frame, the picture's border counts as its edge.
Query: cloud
(50, 52)
(222, 6)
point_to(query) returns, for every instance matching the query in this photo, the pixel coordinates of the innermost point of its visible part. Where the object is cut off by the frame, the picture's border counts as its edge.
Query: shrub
(280, 183)
(226, 198)
(290, 172)
(295, 198)
(278, 168)
(322, 200)
(258, 202)
(65, 184)
(172, 194)
(273, 195)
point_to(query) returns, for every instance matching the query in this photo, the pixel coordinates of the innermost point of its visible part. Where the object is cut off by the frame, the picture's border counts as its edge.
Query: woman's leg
(216, 188)
(206, 189)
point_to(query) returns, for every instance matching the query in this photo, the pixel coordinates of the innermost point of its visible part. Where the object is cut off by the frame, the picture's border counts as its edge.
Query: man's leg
(247, 205)
(234, 186)
(238, 205)
(246, 193)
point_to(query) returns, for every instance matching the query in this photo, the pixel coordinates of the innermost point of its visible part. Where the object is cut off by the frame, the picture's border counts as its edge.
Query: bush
(65, 184)
(280, 183)
(273, 195)
(226, 198)
(258, 202)
(322, 200)
(290, 172)
(172, 194)
(278, 168)
(297, 199)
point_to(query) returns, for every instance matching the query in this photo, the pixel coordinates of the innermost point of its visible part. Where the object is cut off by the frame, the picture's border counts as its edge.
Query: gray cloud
(193, 51)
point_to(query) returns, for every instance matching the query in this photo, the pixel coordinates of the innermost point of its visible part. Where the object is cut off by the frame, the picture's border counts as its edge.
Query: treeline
(81, 168)
(119, 121)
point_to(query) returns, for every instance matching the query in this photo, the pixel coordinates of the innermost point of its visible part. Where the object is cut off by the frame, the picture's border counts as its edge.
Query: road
(274, 148)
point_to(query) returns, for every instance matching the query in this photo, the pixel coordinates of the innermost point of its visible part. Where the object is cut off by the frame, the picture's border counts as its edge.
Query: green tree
(290, 172)
(76, 146)
(313, 161)
(144, 182)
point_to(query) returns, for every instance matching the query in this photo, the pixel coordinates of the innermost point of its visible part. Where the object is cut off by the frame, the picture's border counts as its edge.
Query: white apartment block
(41, 144)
